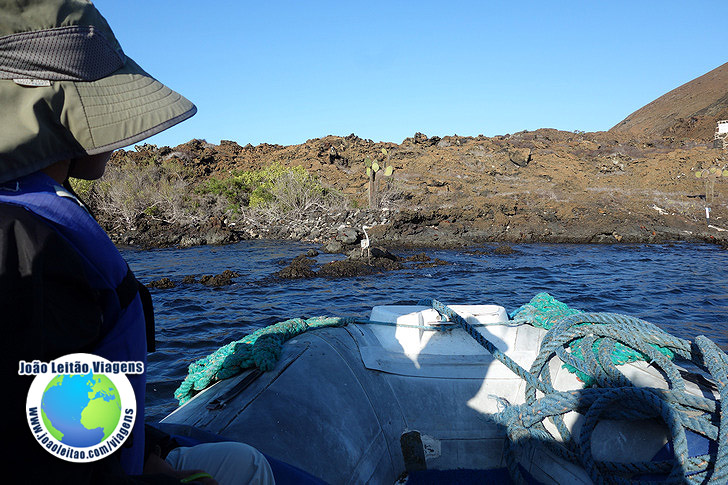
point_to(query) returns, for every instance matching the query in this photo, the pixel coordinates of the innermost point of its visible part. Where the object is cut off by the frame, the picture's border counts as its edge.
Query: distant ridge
(689, 111)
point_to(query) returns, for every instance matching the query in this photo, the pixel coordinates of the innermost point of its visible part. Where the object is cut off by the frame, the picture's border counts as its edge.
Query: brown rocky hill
(689, 111)
(543, 185)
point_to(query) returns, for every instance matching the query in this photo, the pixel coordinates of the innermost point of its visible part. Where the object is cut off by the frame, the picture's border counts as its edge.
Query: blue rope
(588, 342)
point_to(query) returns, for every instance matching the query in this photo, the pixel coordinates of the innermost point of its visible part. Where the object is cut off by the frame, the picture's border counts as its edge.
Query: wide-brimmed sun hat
(68, 90)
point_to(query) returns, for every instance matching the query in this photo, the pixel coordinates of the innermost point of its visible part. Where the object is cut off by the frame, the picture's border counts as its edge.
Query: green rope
(544, 311)
(260, 349)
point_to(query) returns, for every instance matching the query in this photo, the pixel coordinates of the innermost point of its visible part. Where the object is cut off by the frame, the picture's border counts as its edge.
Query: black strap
(126, 292)
(148, 307)
(127, 289)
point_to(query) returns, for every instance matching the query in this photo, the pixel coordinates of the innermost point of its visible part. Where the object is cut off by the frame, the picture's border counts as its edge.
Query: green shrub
(82, 187)
(250, 188)
(260, 196)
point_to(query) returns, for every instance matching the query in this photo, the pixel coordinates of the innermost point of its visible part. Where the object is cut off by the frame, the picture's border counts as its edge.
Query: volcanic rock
(222, 279)
(162, 284)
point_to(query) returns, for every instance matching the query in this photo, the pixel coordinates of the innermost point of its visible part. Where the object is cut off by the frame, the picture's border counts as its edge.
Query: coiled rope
(544, 311)
(593, 344)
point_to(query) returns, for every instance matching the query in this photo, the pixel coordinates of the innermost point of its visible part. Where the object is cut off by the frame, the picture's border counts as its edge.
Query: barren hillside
(689, 111)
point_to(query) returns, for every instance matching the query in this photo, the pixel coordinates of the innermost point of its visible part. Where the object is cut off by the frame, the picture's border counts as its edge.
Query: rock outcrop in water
(162, 284)
(214, 281)
(358, 263)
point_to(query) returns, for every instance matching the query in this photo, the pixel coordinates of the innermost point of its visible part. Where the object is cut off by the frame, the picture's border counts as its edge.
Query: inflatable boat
(552, 395)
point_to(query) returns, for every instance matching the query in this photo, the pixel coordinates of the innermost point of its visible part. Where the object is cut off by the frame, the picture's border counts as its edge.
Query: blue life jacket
(125, 332)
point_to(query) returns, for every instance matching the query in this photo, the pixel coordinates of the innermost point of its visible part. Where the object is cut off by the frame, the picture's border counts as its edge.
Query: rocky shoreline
(439, 229)
(347, 240)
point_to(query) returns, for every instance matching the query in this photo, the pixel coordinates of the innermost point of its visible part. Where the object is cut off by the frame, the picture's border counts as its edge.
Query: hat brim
(124, 108)
(68, 119)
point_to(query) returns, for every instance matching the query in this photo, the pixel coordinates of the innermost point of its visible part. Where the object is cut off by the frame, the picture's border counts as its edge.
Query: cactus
(374, 171)
(713, 172)
(710, 175)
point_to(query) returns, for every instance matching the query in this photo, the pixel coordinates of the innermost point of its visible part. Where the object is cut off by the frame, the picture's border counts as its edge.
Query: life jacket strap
(126, 291)
(148, 307)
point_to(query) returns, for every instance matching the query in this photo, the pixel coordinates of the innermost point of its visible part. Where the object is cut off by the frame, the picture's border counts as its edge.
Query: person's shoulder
(44, 285)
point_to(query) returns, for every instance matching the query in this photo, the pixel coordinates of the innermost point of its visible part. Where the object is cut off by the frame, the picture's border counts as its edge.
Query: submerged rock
(422, 260)
(504, 250)
(357, 264)
(358, 267)
(300, 267)
(420, 257)
(222, 279)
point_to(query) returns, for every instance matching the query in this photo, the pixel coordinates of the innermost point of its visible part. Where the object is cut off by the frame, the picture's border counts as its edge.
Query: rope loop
(592, 345)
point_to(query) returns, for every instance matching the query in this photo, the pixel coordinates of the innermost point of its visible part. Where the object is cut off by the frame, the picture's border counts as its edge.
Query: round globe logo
(79, 409)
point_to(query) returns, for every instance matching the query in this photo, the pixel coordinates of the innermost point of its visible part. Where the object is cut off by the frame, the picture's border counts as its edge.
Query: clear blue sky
(286, 71)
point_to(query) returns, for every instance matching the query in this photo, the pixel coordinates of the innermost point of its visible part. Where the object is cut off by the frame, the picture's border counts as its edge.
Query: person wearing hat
(69, 96)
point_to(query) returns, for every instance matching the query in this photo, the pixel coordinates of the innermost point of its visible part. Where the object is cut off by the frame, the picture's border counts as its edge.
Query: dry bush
(127, 191)
(296, 196)
(391, 195)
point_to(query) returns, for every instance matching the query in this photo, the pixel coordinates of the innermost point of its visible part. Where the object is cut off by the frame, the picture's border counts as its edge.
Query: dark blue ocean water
(682, 288)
